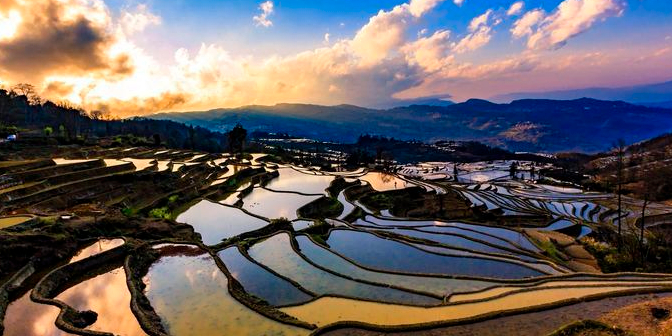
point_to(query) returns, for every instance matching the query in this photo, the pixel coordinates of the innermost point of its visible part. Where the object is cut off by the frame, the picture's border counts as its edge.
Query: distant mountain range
(655, 95)
(586, 125)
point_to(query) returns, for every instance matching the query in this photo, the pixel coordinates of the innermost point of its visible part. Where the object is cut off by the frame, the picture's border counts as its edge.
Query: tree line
(23, 111)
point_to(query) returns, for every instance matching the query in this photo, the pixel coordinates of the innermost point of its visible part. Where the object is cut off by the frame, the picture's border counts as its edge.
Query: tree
(157, 139)
(28, 90)
(237, 138)
(641, 234)
(96, 115)
(513, 169)
(192, 137)
(48, 131)
(619, 147)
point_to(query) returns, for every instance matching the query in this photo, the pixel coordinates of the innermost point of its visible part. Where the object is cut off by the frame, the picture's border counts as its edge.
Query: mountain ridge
(586, 124)
(636, 94)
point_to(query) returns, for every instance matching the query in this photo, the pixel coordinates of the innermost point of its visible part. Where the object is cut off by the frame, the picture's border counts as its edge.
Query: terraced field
(256, 264)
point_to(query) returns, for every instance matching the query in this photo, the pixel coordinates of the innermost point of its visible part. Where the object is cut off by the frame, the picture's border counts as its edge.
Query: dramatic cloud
(430, 53)
(81, 51)
(266, 11)
(516, 8)
(571, 18)
(386, 31)
(47, 36)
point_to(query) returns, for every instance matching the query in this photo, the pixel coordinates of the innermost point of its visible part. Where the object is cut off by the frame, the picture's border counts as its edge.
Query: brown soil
(638, 319)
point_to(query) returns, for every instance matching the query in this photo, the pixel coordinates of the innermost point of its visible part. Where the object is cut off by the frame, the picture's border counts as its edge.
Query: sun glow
(9, 24)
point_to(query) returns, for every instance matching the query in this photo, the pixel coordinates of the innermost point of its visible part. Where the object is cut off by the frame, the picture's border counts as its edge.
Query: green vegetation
(654, 256)
(338, 185)
(550, 250)
(24, 110)
(128, 212)
(321, 208)
(6, 130)
(163, 212)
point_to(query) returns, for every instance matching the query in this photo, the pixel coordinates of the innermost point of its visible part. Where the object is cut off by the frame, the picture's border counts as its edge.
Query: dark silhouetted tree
(619, 147)
(237, 138)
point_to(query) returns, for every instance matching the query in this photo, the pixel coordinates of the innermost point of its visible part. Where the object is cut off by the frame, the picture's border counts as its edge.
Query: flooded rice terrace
(287, 250)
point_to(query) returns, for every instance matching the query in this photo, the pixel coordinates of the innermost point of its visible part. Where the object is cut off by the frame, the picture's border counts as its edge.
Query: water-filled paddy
(96, 248)
(270, 204)
(107, 295)
(372, 251)
(385, 182)
(141, 164)
(216, 222)
(435, 285)
(512, 236)
(11, 221)
(292, 180)
(27, 318)
(329, 310)
(456, 241)
(301, 224)
(277, 254)
(259, 282)
(189, 293)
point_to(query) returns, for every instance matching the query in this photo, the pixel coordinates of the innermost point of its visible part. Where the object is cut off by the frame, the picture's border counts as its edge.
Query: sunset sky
(139, 57)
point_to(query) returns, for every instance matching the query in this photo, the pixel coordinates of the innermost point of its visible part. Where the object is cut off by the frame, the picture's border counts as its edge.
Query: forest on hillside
(24, 113)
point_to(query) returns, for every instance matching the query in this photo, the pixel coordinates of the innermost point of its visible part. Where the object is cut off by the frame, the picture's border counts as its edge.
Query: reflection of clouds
(107, 295)
(271, 204)
(27, 318)
(202, 305)
(97, 247)
(292, 180)
(384, 181)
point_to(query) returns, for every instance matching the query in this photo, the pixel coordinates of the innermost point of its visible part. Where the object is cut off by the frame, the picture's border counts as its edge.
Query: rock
(660, 313)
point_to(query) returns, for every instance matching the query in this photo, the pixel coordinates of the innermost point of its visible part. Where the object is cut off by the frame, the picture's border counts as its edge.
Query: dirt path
(639, 320)
(532, 324)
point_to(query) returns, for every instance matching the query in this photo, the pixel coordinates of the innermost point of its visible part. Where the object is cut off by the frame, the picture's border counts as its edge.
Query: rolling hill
(586, 125)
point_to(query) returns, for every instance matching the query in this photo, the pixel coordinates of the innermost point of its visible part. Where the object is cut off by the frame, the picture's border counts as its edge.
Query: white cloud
(516, 8)
(419, 7)
(571, 18)
(386, 31)
(139, 19)
(266, 11)
(480, 20)
(474, 41)
(458, 2)
(429, 53)
(525, 24)
(480, 32)
(327, 37)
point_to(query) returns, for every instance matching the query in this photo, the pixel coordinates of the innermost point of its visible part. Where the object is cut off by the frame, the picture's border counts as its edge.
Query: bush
(162, 212)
